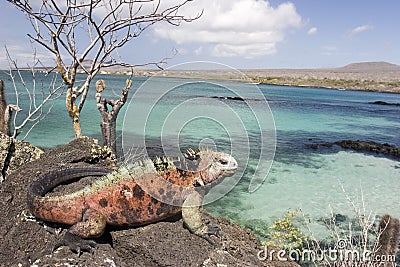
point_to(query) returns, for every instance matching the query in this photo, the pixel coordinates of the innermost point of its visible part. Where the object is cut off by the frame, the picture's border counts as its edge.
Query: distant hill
(370, 66)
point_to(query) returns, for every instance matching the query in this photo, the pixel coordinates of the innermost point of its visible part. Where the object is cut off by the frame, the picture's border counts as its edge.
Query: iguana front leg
(92, 225)
(192, 217)
(78, 236)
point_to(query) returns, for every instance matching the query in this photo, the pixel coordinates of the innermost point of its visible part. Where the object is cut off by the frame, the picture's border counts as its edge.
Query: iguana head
(212, 166)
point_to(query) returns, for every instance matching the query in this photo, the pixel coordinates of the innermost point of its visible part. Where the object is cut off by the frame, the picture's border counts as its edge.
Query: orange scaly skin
(135, 195)
(122, 204)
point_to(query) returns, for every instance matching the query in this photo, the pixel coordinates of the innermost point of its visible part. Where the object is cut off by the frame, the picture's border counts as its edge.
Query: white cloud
(361, 28)
(23, 55)
(182, 51)
(312, 31)
(243, 28)
(329, 50)
(198, 51)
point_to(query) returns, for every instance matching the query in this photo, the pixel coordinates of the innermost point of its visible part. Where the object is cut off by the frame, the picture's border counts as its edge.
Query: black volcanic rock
(360, 146)
(25, 241)
(384, 103)
(369, 146)
(237, 98)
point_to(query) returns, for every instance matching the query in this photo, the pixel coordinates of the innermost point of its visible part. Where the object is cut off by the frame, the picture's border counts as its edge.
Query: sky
(249, 34)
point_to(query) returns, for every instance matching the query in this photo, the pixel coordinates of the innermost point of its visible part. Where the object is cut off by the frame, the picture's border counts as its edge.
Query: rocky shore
(362, 146)
(24, 241)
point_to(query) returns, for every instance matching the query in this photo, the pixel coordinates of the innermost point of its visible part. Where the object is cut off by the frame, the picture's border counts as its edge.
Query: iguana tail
(49, 180)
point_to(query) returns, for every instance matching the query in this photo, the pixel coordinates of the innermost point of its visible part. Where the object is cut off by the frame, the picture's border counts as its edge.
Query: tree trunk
(109, 133)
(109, 110)
(3, 108)
(7, 121)
(77, 125)
(73, 111)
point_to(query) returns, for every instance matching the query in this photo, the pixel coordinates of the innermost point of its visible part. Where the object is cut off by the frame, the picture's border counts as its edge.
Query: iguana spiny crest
(136, 194)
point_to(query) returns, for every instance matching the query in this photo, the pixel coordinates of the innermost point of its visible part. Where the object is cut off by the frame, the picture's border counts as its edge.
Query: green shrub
(284, 235)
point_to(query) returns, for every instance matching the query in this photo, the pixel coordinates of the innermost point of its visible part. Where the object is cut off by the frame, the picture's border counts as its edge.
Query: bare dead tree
(6, 111)
(109, 110)
(3, 109)
(63, 26)
(36, 99)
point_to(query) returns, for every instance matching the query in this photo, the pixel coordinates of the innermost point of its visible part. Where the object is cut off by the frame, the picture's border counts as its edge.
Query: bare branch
(34, 113)
(84, 36)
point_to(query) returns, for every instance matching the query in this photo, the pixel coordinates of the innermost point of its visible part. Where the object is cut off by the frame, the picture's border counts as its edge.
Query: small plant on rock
(284, 234)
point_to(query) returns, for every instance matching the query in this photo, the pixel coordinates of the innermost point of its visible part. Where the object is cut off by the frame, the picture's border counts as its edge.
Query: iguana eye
(223, 162)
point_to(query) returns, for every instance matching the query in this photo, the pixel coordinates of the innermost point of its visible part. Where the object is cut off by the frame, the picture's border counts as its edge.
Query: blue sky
(253, 34)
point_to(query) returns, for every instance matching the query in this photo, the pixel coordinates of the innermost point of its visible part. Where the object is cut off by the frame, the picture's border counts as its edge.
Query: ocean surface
(267, 128)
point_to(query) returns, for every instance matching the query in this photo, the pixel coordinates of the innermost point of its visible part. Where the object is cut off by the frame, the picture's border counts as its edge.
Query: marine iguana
(137, 194)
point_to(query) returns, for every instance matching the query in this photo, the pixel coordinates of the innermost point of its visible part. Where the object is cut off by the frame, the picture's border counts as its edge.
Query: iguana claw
(212, 230)
(76, 244)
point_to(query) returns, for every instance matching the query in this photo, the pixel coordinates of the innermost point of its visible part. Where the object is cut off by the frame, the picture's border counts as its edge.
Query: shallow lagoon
(299, 178)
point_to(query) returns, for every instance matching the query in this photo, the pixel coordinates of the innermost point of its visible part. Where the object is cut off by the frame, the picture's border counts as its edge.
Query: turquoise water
(319, 182)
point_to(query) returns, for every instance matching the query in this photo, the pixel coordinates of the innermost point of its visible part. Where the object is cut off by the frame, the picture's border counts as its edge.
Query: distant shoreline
(387, 90)
(380, 77)
(302, 78)
(366, 76)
